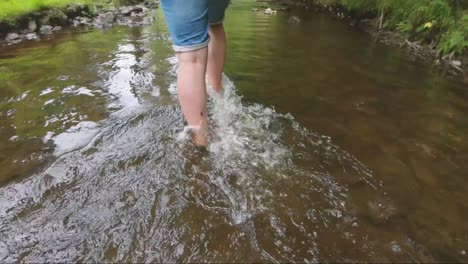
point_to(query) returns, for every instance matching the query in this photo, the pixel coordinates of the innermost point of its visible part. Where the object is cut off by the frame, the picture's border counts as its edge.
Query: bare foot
(200, 138)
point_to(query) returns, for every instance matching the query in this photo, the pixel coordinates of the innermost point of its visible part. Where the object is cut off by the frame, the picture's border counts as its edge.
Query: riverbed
(326, 146)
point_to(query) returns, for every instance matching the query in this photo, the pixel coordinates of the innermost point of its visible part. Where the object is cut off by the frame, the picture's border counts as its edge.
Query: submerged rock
(294, 20)
(382, 210)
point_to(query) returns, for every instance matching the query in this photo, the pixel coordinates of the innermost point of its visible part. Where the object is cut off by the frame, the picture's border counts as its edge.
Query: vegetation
(443, 23)
(13, 8)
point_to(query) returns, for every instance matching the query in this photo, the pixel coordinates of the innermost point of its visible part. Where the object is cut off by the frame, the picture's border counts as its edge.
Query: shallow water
(326, 146)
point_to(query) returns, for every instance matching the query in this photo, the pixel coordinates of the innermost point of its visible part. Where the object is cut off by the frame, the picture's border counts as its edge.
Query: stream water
(326, 146)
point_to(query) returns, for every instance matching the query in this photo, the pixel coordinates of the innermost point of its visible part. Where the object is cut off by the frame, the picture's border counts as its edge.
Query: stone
(107, 17)
(148, 21)
(104, 20)
(44, 20)
(57, 28)
(128, 10)
(269, 11)
(72, 11)
(47, 29)
(31, 36)
(76, 23)
(294, 20)
(456, 63)
(12, 36)
(32, 26)
(85, 21)
(254, 9)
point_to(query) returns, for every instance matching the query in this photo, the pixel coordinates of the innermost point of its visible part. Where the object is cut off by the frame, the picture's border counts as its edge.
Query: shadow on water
(96, 165)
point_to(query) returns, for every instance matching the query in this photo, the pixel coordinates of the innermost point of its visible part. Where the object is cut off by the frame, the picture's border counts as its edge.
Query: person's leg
(188, 25)
(216, 56)
(217, 46)
(192, 92)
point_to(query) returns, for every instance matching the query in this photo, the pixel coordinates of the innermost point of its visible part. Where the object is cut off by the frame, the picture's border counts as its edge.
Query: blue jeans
(188, 21)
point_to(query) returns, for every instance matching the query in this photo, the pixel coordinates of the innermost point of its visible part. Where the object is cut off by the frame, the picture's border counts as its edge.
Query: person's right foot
(200, 138)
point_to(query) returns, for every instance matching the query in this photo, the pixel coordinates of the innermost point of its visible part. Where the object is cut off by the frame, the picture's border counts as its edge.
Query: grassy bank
(10, 9)
(443, 23)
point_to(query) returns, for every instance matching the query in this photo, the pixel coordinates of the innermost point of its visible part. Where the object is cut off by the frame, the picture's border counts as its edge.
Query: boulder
(57, 28)
(12, 36)
(46, 29)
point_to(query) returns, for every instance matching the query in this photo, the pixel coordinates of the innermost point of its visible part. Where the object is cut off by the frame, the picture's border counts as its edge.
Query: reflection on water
(358, 162)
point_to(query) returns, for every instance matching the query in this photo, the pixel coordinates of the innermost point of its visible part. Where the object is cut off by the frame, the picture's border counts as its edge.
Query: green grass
(443, 22)
(14, 8)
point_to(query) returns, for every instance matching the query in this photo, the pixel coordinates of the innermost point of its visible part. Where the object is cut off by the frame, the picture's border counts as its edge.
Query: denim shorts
(188, 21)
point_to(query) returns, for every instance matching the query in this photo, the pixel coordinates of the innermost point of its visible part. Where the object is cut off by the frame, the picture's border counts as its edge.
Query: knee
(216, 29)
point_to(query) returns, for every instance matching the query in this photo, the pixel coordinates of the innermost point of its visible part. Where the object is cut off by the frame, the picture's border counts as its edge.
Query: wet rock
(32, 26)
(57, 28)
(84, 21)
(381, 210)
(12, 37)
(294, 20)
(31, 36)
(128, 10)
(47, 29)
(269, 11)
(254, 9)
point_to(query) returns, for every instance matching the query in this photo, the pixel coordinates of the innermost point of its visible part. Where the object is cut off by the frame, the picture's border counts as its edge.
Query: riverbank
(438, 31)
(30, 22)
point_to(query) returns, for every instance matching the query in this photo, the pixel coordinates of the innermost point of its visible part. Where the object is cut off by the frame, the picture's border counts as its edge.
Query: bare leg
(192, 92)
(216, 56)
